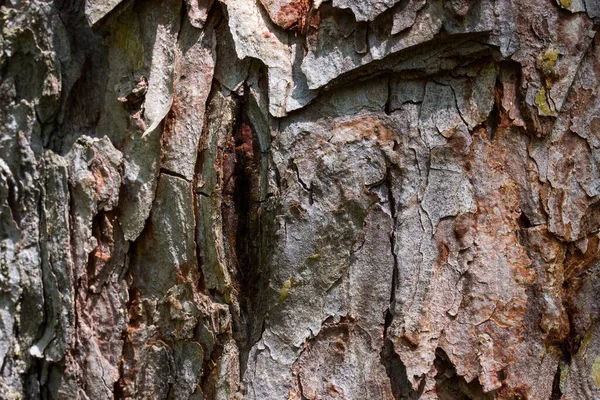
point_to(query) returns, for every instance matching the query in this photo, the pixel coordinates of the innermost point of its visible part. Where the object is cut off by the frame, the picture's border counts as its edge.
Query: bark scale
(293, 199)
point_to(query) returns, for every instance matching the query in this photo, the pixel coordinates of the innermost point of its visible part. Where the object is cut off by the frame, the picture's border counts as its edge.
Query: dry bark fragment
(291, 199)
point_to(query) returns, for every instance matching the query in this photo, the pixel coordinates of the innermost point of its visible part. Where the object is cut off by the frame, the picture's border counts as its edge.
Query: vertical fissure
(556, 392)
(390, 314)
(241, 220)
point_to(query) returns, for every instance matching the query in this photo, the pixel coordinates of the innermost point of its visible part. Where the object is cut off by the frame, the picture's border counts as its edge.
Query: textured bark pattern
(296, 199)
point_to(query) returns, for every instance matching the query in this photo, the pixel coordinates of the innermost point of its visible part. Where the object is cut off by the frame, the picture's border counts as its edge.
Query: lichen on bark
(293, 199)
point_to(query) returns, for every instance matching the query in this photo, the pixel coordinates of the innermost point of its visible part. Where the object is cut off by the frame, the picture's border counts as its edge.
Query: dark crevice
(118, 392)
(573, 340)
(307, 188)
(245, 198)
(389, 316)
(498, 116)
(451, 386)
(166, 171)
(183, 13)
(523, 221)
(388, 103)
(447, 43)
(201, 282)
(556, 392)
(396, 371)
(493, 121)
(242, 222)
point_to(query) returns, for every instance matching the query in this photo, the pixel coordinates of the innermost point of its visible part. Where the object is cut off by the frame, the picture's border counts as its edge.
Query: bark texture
(300, 199)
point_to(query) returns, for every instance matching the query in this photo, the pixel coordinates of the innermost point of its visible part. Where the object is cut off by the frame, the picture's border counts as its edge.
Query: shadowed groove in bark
(396, 371)
(242, 220)
(246, 200)
(281, 217)
(389, 316)
(451, 386)
(556, 393)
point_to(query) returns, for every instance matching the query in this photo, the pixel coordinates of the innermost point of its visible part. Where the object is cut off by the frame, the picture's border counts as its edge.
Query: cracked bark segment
(405, 15)
(141, 60)
(166, 305)
(471, 306)
(352, 99)
(593, 10)
(546, 320)
(331, 50)
(186, 325)
(504, 34)
(426, 228)
(256, 36)
(57, 263)
(369, 288)
(548, 66)
(475, 97)
(95, 10)
(11, 236)
(581, 286)
(225, 377)
(319, 272)
(213, 174)
(581, 379)
(414, 248)
(533, 372)
(95, 180)
(403, 91)
(365, 10)
(197, 11)
(193, 70)
(31, 41)
(524, 172)
(99, 253)
(570, 171)
(168, 240)
(439, 117)
(566, 159)
(288, 14)
(154, 379)
(346, 367)
(229, 72)
(448, 193)
(496, 195)
(20, 258)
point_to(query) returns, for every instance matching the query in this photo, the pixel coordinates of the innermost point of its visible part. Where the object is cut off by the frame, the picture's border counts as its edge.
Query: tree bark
(293, 199)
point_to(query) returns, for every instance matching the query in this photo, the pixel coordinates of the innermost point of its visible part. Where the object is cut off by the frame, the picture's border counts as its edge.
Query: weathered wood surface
(294, 199)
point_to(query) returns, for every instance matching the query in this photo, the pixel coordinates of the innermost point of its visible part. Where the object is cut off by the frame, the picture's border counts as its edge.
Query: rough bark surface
(300, 199)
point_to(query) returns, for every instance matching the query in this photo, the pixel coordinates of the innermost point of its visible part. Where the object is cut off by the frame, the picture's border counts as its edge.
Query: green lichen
(284, 292)
(564, 374)
(542, 103)
(586, 341)
(129, 42)
(547, 60)
(566, 3)
(596, 371)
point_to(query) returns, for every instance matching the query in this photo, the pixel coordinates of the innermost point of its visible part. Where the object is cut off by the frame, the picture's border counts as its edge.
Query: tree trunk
(294, 199)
